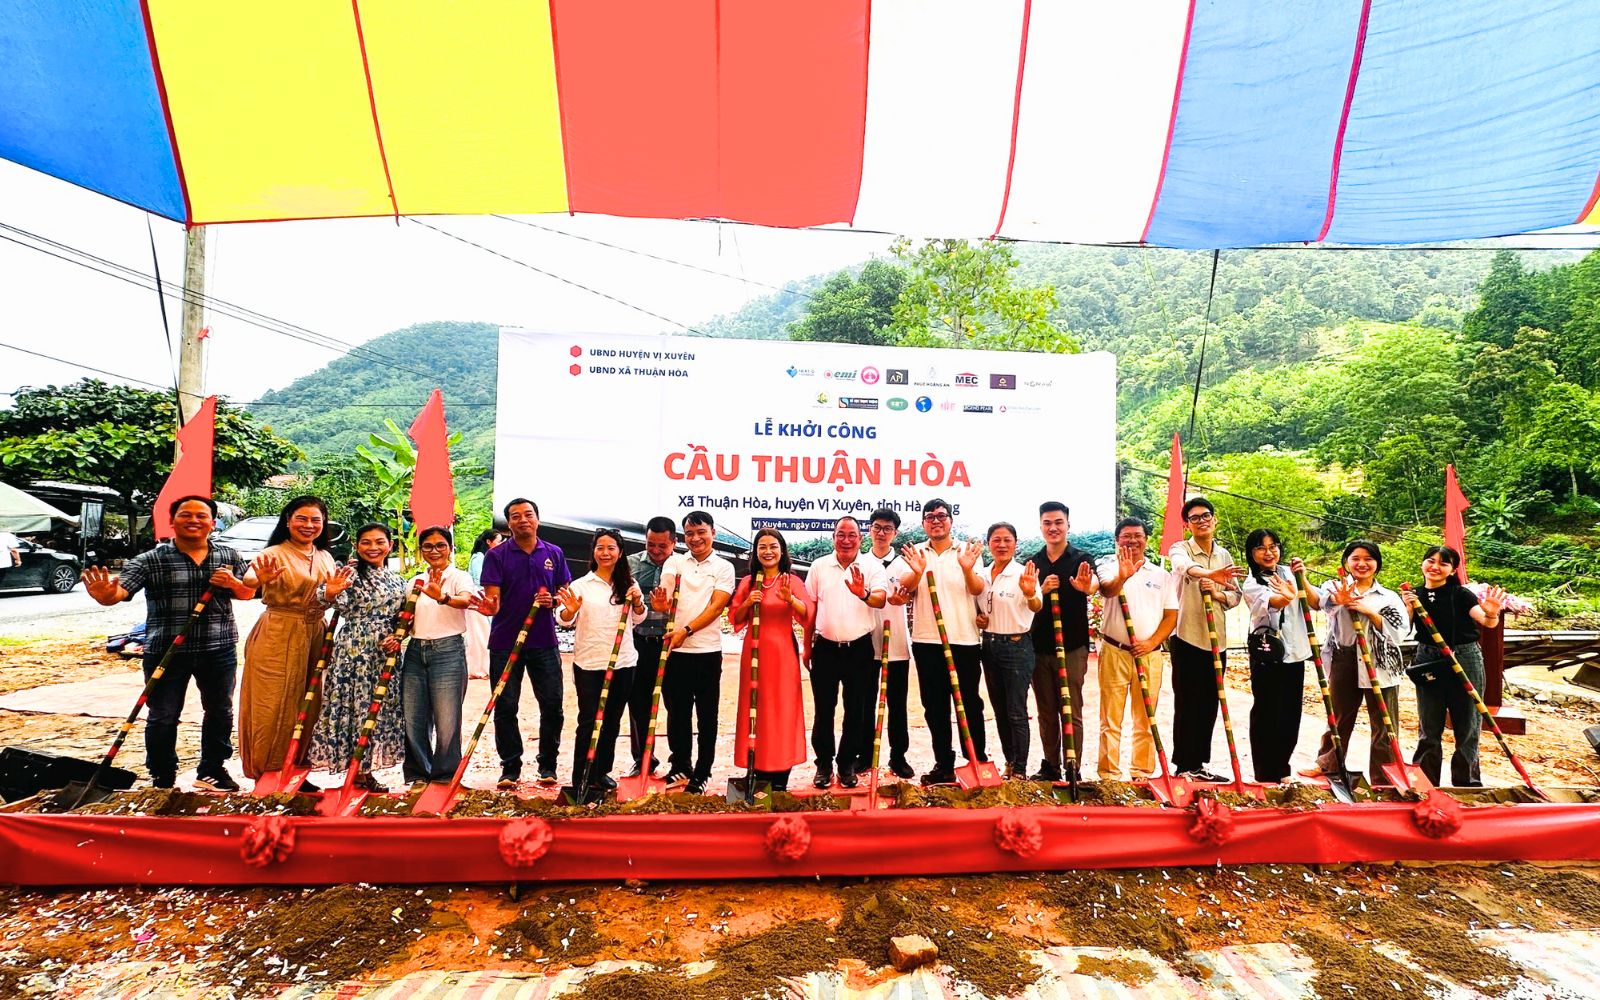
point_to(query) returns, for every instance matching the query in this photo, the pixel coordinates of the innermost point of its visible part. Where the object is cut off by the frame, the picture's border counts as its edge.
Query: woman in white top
(594, 603)
(1278, 649)
(433, 678)
(1009, 600)
(1359, 596)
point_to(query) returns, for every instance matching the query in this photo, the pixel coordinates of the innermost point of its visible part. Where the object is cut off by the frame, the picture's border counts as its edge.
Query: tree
(99, 434)
(1564, 430)
(1508, 300)
(392, 464)
(964, 294)
(851, 309)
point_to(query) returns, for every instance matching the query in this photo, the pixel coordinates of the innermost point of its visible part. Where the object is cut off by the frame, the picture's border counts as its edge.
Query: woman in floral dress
(368, 597)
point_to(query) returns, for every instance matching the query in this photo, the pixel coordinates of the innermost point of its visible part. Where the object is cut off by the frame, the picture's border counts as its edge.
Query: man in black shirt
(1068, 570)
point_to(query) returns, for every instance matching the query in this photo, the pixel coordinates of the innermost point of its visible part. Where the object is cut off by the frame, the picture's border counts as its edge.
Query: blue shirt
(519, 575)
(173, 583)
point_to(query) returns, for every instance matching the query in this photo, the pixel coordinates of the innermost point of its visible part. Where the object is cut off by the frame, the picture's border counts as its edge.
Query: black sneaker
(508, 782)
(940, 776)
(632, 772)
(900, 769)
(162, 781)
(308, 787)
(607, 782)
(847, 776)
(697, 786)
(1202, 775)
(824, 778)
(221, 781)
(1046, 772)
(548, 779)
(677, 778)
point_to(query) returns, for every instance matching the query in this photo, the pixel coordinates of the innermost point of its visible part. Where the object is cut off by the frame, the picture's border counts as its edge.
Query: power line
(89, 368)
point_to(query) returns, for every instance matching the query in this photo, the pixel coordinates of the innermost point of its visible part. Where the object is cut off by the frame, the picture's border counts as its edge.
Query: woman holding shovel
(785, 603)
(593, 603)
(367, 596)
(1457, 613)
(1278, 648)
(1359, 597)
(433, 676)
(1009, 601)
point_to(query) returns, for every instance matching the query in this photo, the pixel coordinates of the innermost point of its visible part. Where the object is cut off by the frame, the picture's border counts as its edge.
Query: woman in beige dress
(283, 646)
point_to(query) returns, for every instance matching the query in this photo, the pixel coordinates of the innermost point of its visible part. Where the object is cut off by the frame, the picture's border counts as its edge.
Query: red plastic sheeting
(115, 850)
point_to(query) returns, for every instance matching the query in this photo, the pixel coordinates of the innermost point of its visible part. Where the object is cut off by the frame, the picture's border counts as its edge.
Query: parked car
(249, 536)
(55, 572)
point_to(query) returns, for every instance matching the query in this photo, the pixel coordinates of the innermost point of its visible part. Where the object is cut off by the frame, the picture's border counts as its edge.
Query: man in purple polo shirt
(516, 577)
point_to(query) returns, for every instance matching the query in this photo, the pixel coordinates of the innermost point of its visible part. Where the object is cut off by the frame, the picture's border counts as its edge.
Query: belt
(443, 638)
(1005, 636)
(842, 643)
(1112, 642)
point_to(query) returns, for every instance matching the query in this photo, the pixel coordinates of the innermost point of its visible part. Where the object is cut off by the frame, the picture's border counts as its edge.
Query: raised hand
(1083, 581)
(1129, 562)
(659, 600)
(914, 560)
(1493, 602)
(967, 555)
(488, 605)
(570, 603)
(898, 596)
(267, 567)
(340, 581)
(1226, 575)
(1283, 588)
(102, 584)
(783, 589)
(856, 583)
(1030, 580)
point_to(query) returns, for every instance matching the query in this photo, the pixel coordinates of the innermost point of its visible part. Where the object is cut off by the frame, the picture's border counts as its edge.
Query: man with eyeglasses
(885, 526)
(1202, 567)
(847, 587)
(954, 573)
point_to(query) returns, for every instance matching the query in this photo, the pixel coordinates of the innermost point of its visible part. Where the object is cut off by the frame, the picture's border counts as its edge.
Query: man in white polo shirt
(1153, 603)
(691, 687)
(885, 525)
(954, 574)
(847, 587)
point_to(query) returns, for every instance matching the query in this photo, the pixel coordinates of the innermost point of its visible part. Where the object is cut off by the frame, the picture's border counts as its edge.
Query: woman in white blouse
(1278, 648)
(433, 677)
(593, 604)
(1009, 600)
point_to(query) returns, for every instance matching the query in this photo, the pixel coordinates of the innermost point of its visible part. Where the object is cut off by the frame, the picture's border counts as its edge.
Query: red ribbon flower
(1213, 822)
(1018, 833)
(788, 838)
(524, 841)
(1438, 815)
(267, 840)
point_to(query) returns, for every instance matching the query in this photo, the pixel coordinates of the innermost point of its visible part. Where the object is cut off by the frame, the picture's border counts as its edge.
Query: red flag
(191, 473)
(433, 491)
(1172, 522)
(1455, 522)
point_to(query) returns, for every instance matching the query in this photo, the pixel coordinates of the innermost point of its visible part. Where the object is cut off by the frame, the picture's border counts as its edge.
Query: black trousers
(897, 726)
(643, 693)
(587, 684)
(213, 672)
(933, 683)
(691, 689)
(1194, 705)
(543, 667)
(847, 669)
(1274, 717)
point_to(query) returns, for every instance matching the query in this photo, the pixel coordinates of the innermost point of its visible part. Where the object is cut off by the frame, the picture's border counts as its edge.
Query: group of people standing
(1011, 627)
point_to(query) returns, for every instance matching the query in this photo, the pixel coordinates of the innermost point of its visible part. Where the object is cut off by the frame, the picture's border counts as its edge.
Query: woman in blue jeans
(1456, 613)
(1006, 607)
(433, 680)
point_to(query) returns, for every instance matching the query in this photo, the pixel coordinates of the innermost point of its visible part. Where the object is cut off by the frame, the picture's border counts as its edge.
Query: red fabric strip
(659, 123)
(1172, 122)
(1594, 198)
(1344, 119)
(372, 101)
(1016, 110)
(561, 105)
(166, 112)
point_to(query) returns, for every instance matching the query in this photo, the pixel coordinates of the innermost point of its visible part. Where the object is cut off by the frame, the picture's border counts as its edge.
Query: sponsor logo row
(922, 404)
(870, 375)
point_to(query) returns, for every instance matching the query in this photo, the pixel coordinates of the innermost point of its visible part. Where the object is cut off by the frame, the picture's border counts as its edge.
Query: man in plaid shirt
(173, 575)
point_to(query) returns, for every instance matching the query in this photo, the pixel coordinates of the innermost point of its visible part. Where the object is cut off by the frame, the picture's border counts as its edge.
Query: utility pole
(191, 348)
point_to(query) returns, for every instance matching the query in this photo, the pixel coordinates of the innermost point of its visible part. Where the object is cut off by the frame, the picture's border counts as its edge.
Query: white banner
(614, 429)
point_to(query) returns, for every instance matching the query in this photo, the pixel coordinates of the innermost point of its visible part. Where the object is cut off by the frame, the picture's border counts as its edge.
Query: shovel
(1069, 736)
(579, 796)
(871, 802)
(744, 789)
(439, 796)
(1172, 792)
(1483, 710)
(1338, 783)
(1222, 699)
(91, 790)
(645, 783)
(347, 798)
(974, 773)
(1404, 776)
(288, 777)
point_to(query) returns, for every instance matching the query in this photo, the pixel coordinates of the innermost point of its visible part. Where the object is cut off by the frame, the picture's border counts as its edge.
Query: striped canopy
(1181, 123)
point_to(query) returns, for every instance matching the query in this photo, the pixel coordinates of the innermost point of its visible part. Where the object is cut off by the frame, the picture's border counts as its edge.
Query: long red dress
(780, 716)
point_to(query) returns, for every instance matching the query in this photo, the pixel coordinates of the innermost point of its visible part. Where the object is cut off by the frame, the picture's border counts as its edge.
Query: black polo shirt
(1074, 605)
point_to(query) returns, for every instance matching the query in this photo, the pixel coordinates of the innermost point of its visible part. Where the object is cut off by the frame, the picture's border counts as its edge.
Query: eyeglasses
(1201, 518)
(936, 517)
(884, 527)
(435, 547)
(1267, 547)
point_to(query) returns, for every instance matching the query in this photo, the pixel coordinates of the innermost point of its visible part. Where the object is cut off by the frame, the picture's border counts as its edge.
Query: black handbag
(1265, 645)
(1432, 675)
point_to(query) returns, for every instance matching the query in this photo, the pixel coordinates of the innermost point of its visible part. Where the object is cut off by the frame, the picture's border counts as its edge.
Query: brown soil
(170, 802)
(563, 932)
(57, 661)
(1128, 971)
(1016, 793)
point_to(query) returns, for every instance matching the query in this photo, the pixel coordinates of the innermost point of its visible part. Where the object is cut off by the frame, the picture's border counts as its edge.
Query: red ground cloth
(111, 850)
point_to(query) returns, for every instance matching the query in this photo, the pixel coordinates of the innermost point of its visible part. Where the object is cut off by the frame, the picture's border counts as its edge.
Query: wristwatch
(688, 630)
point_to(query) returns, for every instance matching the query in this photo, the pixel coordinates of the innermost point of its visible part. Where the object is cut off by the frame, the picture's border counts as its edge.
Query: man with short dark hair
(1203, 568)
(1152, 602)
(847, 588)
(520, 576)
(885, 525)
(1069, 571)
(173, 575)
(660, 535)
(694, 668)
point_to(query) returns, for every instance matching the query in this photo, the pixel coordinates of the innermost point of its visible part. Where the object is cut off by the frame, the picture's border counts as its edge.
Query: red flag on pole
(1455, 522)
(1172, 522)
(191, 473)
(433, 492)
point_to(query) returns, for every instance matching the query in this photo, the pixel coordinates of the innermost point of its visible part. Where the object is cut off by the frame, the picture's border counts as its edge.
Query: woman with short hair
(1278, 648)
(1009, 600)
(433, 677)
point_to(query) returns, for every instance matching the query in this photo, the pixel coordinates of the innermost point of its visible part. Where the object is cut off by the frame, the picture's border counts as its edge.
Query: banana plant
(392, 459)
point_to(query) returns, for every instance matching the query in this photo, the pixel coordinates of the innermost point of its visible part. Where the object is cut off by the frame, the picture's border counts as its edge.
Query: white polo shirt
(1151, 593)
(841, 615)
(894, 567)
(960, 615)
(701, 579)
(435, 620)
(597, 626)
(1003, 601)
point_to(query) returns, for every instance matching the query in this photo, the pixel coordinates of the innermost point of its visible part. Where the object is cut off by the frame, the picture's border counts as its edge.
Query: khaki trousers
(1119, 685)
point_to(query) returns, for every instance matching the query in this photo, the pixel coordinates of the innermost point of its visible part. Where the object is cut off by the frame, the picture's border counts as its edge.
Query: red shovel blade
(342, 801)
(1407, 776)
(1168, 790)
(639, 786)
(287, 779)
(436, 799)
(978, 774)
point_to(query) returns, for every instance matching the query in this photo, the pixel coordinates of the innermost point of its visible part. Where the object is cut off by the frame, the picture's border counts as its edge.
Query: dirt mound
(560, 933)
(171, 802)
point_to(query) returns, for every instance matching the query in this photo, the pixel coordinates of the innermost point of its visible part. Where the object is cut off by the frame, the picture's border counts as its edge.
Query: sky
(356, 279)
